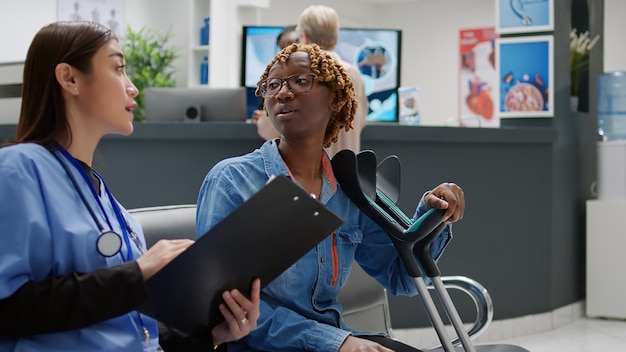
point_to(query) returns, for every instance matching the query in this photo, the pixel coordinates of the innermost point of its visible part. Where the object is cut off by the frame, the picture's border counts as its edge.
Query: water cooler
(612, 127)
(612, 170)
(606, 229)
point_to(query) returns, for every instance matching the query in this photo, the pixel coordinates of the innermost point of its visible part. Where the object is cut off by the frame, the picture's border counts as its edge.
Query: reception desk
(514, 239)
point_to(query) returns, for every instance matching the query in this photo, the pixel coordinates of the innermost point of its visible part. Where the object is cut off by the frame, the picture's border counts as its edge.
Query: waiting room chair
(366, 306)
(363, 299)
(166, 222)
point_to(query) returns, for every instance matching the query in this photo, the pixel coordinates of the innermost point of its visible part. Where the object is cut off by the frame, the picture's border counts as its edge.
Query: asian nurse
(73, 260)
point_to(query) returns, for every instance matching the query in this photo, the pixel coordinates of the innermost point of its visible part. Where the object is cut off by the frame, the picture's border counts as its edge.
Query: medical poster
(523, 16)
(478, 80)
(109, 13)
(409, 106)
(525, 75)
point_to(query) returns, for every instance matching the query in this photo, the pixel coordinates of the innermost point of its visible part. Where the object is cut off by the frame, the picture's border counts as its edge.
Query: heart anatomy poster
(478, 79)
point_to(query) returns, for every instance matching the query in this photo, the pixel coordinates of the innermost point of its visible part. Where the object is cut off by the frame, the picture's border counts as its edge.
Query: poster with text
(525, 75)
(478, 80)
(523, 16)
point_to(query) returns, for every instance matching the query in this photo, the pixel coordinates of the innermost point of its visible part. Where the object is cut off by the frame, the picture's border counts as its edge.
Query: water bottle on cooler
(612, 105)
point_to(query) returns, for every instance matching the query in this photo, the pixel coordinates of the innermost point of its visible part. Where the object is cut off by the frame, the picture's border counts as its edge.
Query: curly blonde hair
(333, 75)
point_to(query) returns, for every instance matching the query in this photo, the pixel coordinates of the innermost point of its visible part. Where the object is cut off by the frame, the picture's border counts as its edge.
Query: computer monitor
(376, 52)
(195, 104)
(258, 49)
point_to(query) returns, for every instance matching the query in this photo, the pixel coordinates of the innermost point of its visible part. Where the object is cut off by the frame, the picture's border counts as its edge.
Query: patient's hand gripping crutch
(357, 175)
(368, 167)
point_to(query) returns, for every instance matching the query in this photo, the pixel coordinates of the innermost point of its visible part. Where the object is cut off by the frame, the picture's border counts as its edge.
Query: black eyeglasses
(298, 83)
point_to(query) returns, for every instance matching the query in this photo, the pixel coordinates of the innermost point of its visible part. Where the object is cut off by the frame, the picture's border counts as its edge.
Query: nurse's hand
(240, 313)
(160, 254)
(447, 196)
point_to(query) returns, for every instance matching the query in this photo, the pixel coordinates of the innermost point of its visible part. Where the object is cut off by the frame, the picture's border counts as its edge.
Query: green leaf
(149, 62)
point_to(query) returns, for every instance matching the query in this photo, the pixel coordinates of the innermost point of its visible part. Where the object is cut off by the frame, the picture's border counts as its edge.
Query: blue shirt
(46, 230)
(299, 309)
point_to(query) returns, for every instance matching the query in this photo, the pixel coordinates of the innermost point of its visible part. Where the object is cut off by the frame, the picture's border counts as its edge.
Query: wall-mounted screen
(376, 52)
(259, 48)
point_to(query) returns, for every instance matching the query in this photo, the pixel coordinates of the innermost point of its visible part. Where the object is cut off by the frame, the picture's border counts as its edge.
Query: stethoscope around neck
(109, 242)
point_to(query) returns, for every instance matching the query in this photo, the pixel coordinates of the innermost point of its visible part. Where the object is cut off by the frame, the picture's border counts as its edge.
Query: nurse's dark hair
(43, 114)
(332, 73)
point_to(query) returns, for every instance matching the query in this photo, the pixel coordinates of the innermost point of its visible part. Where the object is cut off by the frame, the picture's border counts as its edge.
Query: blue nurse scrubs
(46, 231)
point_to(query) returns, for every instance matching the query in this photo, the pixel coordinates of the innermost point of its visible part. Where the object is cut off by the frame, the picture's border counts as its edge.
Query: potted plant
(579, 49)
(149, 62)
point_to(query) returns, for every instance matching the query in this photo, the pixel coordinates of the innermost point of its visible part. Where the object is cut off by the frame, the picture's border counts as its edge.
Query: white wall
(614, 29)
(430, 34)
(430, 47)
(18, 24)
(20, 20)
(353, 13)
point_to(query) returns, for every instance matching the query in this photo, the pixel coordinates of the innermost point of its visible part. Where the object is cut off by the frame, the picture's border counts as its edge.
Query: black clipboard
(261, 238)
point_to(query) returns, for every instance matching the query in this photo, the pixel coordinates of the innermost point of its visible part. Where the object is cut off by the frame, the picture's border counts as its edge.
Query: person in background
(289, 35)
(320, 25)
(309, 98)
(265, 129)
(73, 261)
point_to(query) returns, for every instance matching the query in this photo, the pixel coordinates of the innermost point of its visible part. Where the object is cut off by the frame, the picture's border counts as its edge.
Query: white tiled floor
(582, 335)
(563, 329)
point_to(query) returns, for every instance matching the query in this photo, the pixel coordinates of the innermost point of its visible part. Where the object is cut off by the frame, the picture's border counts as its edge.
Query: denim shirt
(299, 309)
